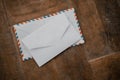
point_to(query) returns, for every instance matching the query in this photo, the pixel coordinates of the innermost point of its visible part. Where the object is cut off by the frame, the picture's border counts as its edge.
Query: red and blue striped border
(40, 18)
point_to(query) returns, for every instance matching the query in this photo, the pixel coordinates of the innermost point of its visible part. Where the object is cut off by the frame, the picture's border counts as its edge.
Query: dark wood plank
(102, 37)
(70, 65)
(109, 11)
(23, 10)
(107, 67)
(93, 28)
(10, 68)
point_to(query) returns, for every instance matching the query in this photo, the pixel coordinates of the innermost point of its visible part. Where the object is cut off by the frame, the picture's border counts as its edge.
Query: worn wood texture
(109, 11)
(100, 35)
(8, 63)
(70, 65)
(107, 67)
(92, 28)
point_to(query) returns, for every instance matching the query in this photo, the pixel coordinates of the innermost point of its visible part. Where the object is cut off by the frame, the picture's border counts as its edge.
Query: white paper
(51, 39)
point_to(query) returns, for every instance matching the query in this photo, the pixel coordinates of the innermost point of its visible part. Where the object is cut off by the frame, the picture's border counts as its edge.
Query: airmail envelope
(51, 39)
(40, 27)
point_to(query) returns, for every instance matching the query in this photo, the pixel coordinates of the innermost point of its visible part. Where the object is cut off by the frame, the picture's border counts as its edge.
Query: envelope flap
(47, 34)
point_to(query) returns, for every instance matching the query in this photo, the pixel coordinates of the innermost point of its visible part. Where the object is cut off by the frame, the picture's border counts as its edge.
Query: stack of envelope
(44, 38)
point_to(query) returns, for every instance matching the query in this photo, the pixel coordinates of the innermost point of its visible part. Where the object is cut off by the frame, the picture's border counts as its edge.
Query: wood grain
(70, 65)
(107, 67)
(92, 28)
(9, 65)
(109, 11)
(99, 21)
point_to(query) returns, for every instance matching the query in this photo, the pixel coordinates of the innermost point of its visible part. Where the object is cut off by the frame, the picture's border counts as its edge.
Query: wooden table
(99, 20)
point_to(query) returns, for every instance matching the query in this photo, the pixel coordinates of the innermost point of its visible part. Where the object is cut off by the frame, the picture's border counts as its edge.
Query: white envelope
(51, 39)
(26, 28)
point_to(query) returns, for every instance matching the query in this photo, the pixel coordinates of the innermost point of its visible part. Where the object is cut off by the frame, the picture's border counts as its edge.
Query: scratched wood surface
(73, 63)
(108, 67)
(109, 11)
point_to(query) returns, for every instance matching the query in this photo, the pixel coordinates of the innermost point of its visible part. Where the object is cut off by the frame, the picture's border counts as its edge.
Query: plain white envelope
(51, 39)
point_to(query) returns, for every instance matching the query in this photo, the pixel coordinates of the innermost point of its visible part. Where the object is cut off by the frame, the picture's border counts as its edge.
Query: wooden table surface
(99, 21)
